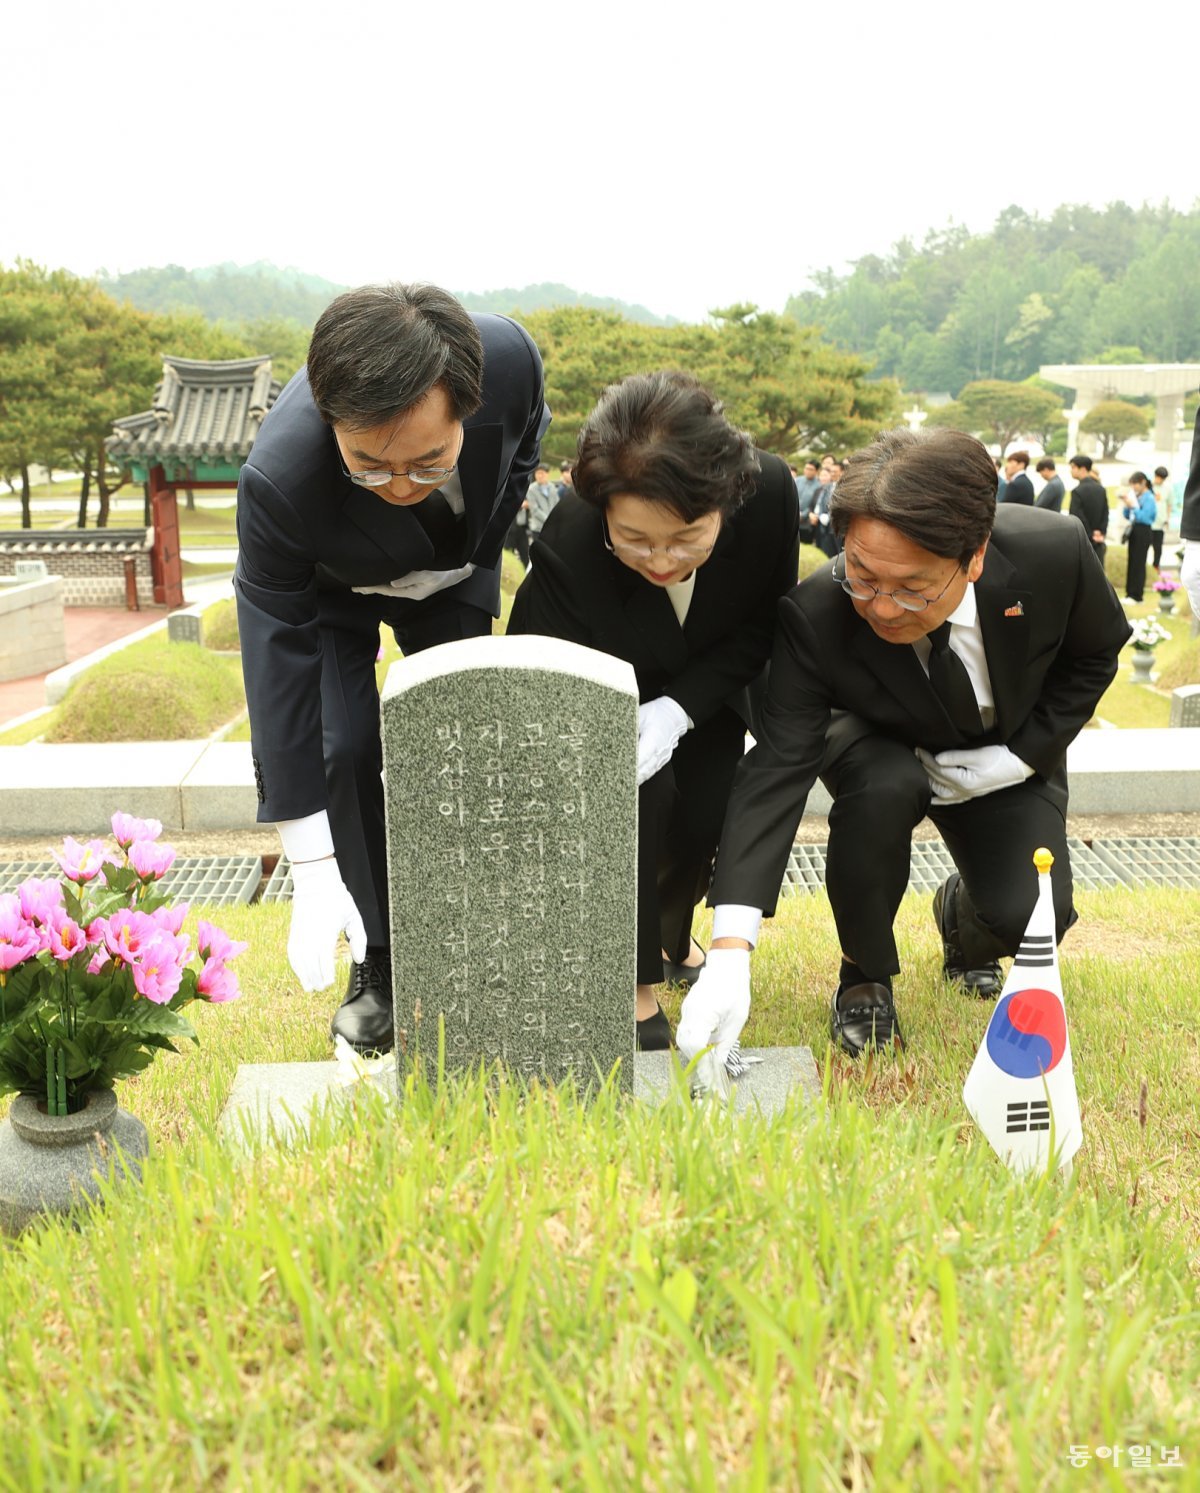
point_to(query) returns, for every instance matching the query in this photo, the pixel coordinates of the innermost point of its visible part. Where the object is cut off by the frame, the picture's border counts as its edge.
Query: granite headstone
(1185, 705)
(510, 787)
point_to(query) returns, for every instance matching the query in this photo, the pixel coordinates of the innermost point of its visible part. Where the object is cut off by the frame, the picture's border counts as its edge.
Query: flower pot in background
(1143, 663)
(49, 1163)
(1166, 602)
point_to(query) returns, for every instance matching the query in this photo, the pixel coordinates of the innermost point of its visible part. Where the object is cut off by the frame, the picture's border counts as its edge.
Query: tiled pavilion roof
(203, 412)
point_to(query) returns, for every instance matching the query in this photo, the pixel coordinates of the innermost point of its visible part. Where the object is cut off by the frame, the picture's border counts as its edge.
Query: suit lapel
(651, 616)
(479, 475)
(899, 673)
(1004, 625)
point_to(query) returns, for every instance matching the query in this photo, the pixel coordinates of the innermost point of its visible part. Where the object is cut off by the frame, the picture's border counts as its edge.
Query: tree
(998, 412)
(1113, 422)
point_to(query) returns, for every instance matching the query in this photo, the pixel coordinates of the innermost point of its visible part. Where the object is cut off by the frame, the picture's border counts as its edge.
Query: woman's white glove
(322, 907)
(1189, 574)
(714, 1011)
(957, 776)
(661, 724)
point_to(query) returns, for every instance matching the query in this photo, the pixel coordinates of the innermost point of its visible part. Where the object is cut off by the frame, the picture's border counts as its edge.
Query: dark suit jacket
(1089, 504)
(1189, 523)
(305, 529)
(1019, 490)
(1052, 629)
(578, 590)
(1051, 496)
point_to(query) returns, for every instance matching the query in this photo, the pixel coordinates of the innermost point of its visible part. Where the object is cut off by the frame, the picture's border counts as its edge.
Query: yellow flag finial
(1043, 860)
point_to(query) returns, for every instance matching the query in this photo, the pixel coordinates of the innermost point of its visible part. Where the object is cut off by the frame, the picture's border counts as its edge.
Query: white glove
(714, 1011)
(661, 723)
(418, 584)
(957, 776)
(322, 908)
(1189, 574)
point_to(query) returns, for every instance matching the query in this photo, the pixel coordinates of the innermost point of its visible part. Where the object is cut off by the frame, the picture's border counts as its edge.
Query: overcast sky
(683, 156)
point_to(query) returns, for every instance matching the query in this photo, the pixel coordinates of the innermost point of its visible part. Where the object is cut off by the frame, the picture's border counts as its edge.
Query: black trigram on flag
(1032, 1114)
(1036, 951)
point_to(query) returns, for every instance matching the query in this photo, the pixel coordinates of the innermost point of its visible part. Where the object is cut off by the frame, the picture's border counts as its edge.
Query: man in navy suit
(380, 489)
(1019, 488)
(941, 665)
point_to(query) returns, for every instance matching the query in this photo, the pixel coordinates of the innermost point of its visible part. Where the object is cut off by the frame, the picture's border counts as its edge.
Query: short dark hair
(811, 461)
(1161, 472)
(377, 351)
(937, 487)
(664, 438)
(1139, 477)
(1019, 456)
(1046, 464)
(1081, 461)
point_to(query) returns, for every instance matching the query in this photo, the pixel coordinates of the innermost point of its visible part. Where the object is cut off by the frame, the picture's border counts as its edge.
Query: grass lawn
(501, 1289)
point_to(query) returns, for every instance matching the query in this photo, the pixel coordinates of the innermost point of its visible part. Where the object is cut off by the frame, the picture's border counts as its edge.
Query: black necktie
(437, 518)
(952, 684)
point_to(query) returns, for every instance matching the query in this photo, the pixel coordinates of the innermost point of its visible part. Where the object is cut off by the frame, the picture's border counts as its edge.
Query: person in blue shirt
(807, 489)
(1141, 511)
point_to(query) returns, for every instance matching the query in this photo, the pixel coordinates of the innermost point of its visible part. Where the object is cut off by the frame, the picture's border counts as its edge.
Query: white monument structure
(1168, 383)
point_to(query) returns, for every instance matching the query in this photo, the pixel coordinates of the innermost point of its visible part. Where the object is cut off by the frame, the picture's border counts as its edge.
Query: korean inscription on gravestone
(510, 771)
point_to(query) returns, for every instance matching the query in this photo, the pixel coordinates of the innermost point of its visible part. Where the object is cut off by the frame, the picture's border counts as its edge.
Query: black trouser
(1135, 561)
(517, 540)
(1156, 544)
(880, 794)
(680, 813)
(350, 725)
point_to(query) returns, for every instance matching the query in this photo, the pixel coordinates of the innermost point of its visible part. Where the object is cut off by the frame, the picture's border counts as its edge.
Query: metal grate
(1089, 870)
(1155, 860)
(202, 880)
(805, 870)
(929, 865)
(279, 887)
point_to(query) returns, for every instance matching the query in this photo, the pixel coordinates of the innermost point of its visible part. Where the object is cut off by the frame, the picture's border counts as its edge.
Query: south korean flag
(1021, 1087)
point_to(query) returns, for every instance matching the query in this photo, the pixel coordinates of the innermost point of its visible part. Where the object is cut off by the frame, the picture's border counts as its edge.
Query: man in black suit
(940, 666)
(1089, 503)
(1051, 496)
(1019, 489)
(380, 489)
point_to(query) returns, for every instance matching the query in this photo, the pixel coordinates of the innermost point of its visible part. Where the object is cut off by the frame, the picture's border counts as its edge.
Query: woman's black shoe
(683, 974)
(654, 1034)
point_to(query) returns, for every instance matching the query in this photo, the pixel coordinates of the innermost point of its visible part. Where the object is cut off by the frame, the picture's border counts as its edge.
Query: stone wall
(91, 562)
(33, 638)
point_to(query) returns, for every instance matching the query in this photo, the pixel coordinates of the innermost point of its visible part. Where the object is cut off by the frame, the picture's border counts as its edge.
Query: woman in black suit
(671, 554)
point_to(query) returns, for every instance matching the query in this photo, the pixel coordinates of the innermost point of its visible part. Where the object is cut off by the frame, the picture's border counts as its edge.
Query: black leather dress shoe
(862, 1015)
(986, 980)
(654, 1034)
(682, 974)
(365, 1017)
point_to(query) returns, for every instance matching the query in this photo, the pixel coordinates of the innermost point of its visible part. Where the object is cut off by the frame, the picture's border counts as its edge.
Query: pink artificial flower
(99, 959)
(214, 944)
(80, 863)
(39, 899)
(216, 983)
(125, 933)
(63, 936)
(149, 859)
(127, 829)
(171, 918)
(19, 940)
(157, 973)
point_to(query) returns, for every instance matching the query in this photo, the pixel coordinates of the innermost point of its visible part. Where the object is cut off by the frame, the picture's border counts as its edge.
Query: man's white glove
(661, 723)
(956, 776)
(714, 1011)
(418, 584)
(322, 907)
(1189, 574)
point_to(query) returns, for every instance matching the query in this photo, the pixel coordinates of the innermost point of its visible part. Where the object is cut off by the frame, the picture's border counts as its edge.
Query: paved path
(87, 629)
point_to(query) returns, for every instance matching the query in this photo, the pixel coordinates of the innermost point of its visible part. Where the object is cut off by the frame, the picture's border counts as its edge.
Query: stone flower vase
(1166, 603)
(48, 1162)
(1143, 662)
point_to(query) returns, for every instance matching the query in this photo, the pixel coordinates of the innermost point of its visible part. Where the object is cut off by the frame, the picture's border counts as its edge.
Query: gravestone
(510, 787)
(186, 626)
(1185, 705)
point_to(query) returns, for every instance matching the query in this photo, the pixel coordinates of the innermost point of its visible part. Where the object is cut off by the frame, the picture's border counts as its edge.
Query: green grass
(153, 690)
(497, 1288)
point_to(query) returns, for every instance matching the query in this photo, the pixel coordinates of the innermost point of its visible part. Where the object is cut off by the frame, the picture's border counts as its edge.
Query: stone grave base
(282, 1096)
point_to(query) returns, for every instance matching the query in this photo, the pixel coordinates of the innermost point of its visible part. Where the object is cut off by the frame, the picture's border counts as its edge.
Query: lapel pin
(1017, 611)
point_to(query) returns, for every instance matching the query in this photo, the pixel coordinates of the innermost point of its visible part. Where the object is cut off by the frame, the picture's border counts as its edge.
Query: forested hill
(1113, 284)
(246, 293)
